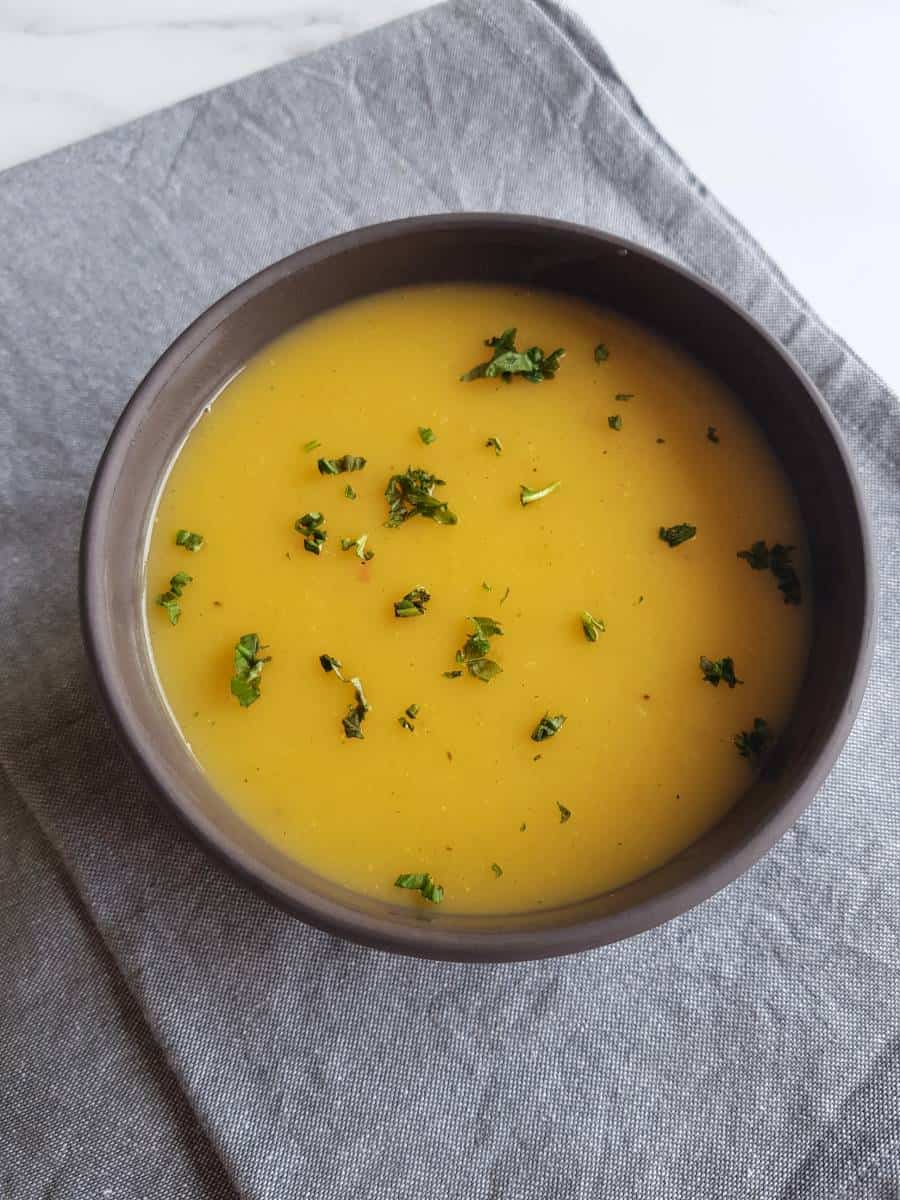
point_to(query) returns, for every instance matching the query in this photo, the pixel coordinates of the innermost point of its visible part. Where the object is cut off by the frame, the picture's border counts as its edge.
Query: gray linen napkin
(163, 1031)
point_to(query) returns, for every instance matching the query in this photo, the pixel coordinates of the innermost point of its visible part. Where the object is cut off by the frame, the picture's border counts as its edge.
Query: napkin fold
(166, 1033)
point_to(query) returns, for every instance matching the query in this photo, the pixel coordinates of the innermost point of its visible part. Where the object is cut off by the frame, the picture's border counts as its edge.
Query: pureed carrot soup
(494, 642)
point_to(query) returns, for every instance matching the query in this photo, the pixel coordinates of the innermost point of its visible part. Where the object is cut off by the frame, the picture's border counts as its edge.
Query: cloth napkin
(164, 1032)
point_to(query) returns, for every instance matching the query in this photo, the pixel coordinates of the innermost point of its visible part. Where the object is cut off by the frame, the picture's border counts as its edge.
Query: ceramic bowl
(521, 250)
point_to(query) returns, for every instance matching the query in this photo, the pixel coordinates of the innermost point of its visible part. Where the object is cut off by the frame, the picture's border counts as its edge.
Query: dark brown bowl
(540, 253)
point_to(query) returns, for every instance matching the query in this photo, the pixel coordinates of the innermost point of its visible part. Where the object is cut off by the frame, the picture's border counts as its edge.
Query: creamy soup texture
(640, 438)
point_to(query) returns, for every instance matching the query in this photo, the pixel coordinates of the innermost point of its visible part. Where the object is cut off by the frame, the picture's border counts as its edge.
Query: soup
(547, 661)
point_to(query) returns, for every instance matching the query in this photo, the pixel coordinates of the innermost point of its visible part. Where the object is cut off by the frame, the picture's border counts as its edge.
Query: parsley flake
(778, 561)
(506, 361)
(310, 446)
(412, 604)
(427, 435)
(412, 494)
(337, 466)
(248, 665)
(169, 600)
(719, 670)
(614, 422)
(190, 541)
(359, 545)
(591, 626)
(496, 443)
(674, 535)
(310, 525)
(751, 743)
(349, 492)
(712, 433)
(624, 395)
(547, 727)
(601, 353)
(474, 653)
(422, 883)
(498, 870)
(528, 495)
(564, 813)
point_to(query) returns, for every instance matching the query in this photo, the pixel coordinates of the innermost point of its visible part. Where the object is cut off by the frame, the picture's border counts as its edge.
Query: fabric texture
(165, 1032)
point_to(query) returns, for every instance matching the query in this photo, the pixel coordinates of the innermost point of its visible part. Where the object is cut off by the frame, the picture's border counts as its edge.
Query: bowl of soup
(479, 587)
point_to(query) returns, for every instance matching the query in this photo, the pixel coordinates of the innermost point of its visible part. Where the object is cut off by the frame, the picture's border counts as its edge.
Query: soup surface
(639, 437)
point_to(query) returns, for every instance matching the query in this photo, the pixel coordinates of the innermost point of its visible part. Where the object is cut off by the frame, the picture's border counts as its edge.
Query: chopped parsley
(505, 595)
(337, 466)
(601, 353)
(309, 446)
(190, 541)
(506, 361)
(591, 626)
(498, 870)
(487, 587)
(528, 495)
(248, 665)
(169, 600)
(422, 883)
(614, 422)
(564, 813)
(712, 433)
(777, 559)
(412, 604)
(547, 727)
(452, 674)
(408, 717)
(674, 535)
(412, 494)
(624, 395)
(349, 492)
(496, 443)
(359, 545)
(474, 653)
(356, 713)
(310, 525)
(719, 670)
(427, 435)
(751, 743)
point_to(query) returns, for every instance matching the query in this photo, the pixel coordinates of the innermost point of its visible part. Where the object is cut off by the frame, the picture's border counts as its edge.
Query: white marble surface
(786, 108)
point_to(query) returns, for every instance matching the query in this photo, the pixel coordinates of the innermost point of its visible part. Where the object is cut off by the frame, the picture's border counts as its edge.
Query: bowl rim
(427, 939)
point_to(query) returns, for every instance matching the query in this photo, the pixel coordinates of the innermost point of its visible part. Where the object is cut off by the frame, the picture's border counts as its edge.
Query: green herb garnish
(614, 422)
(310, 525)
(309, 446)
(427, 435)
(496, 443)
(751, 743)
(676, 534)
(591, 626)
(190, 541)
(527, 495)
(407, 724)
(248, 667)
(506, 361)
(356, 713)
(505, 595)
(547, 727)
(408, 717)
(498, 870)
(337, 466)
(601, 353)
(421, 883)
(564, 813)
(452, 674)
(359, 545)
(778, 561)
(719, 670)
(329, 663)
(412, 711)
(712, 433)
(412, 604)
(624, 395)
(412, 494)
(169, 600)
(349, 492)
(473, 654)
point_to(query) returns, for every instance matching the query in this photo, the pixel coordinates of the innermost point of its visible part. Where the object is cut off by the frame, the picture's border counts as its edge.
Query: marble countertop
(785, 108)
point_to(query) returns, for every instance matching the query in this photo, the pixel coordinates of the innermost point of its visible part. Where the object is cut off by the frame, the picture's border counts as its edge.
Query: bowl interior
(524, 251)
